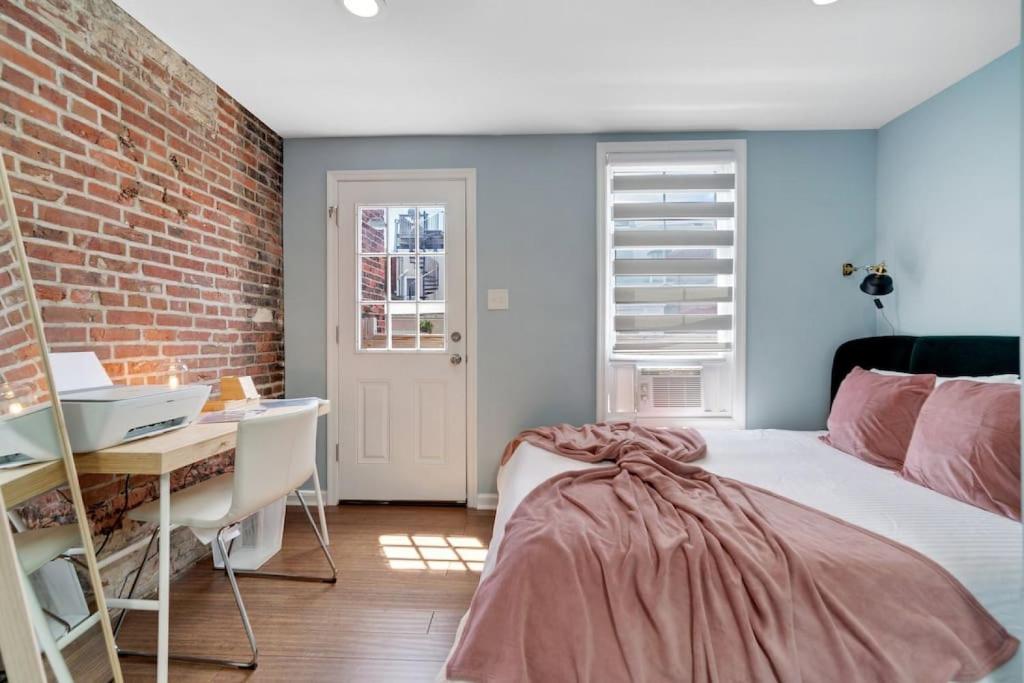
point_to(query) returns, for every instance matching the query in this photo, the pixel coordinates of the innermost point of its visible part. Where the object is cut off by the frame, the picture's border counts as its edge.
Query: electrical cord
(886, 317)
(120, 517)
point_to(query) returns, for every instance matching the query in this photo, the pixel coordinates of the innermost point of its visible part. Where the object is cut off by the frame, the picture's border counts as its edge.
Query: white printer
(28, 436)
(100, 414)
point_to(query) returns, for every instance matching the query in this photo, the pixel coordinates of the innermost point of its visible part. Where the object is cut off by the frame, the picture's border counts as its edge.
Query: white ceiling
(309, 68)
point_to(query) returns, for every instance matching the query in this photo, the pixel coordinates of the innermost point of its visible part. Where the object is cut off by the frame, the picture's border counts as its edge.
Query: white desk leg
(164, 614)
(320, 505)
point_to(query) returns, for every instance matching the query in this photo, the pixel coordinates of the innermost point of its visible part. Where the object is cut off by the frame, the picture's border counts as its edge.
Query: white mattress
(981, 549)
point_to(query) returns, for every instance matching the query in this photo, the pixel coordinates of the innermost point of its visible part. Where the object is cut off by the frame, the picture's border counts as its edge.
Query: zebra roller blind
(673, 225)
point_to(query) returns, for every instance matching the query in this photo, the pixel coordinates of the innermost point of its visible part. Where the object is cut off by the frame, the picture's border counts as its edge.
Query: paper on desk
(288, 402)
(239, 414)
(236, 415)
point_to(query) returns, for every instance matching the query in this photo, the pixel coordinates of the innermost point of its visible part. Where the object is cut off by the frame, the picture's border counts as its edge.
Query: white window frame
(666, 149)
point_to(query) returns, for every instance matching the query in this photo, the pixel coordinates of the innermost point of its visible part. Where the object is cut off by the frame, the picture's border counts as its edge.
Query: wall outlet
(497, 299)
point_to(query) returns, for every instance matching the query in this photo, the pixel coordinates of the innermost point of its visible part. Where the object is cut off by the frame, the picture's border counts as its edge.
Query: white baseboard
(308, 495)
(484, 501)
(487, 501)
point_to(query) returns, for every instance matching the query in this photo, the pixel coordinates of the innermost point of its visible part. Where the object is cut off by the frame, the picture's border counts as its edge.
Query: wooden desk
(22, 483)
(167, 452)
(160, 455)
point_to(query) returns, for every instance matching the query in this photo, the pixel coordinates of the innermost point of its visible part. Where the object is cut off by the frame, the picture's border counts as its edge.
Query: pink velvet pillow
(967, 445)
(873, 415)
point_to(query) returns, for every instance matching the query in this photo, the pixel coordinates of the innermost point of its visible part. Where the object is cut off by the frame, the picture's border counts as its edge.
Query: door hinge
(337, 334)
(337, 452)
(331, 210)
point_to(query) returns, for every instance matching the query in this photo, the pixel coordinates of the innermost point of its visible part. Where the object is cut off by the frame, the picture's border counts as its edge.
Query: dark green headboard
(950, 356)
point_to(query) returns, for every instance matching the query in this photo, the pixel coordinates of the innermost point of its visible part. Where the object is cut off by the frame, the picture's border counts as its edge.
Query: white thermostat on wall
(497, 299)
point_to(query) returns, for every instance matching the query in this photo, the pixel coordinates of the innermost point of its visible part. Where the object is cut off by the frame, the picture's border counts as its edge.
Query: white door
(402, 340)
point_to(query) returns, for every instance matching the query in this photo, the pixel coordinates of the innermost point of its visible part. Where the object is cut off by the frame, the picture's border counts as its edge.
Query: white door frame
(332, 334)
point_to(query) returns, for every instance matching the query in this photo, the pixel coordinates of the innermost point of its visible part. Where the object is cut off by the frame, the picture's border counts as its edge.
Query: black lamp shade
(876, 285)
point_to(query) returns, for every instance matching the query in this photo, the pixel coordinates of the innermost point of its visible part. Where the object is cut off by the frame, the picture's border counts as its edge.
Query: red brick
(161, 273)
(25, 61)
(129, 318)
(65, 335)
(89, 278)
(88, 133)
(49, 293)
(95, 62)
(52, 254)
(112, 161)
(51, 175)
(168, 320)
(28, 188)
(55, 314)
(126, 352)
(61, 60)
(12, 32)
(159, 335)
(30, 21)
(92, 243)
(120, 94)
(19, 79)
(111, 299)
(153, 255)
(67, 219)
(89, 94)
(27, 106)
(84, 168)
(94, 207)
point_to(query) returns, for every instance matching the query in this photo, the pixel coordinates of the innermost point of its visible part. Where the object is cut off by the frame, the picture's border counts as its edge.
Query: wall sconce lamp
(877, 283)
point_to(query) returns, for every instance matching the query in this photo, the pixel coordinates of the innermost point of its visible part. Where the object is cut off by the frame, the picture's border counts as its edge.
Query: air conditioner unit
(670, 391)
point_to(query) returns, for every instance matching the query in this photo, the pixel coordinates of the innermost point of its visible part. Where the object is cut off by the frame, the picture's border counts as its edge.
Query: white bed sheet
(981, 549)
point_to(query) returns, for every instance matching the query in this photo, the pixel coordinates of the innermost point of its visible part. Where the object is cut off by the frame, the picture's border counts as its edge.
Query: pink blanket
(651, 569)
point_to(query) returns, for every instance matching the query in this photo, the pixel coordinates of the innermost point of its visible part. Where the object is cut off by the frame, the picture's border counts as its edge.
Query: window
(670, 240)
(401, 279)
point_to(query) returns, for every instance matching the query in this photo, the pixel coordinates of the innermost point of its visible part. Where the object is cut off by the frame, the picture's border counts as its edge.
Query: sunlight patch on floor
(437, 553)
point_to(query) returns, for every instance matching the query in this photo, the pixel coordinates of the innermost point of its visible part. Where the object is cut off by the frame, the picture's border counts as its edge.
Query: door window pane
(373, 327)
(401, 230)
(432, 229)
(371, 231)
(403, 330)
(401, 278)
(432, 278)
(373, 272)
(432, 331)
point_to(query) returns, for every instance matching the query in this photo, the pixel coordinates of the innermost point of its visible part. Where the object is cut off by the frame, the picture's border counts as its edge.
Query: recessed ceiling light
(816, 2)
(366, 9)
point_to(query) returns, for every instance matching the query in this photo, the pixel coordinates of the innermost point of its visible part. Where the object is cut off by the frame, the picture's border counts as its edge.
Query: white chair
(274, 456)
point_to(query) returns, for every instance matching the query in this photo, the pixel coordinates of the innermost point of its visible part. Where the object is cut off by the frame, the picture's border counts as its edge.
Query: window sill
(695, 422)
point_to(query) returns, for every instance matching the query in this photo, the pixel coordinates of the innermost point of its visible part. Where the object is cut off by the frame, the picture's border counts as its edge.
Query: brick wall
(151, 205)
(22, 377)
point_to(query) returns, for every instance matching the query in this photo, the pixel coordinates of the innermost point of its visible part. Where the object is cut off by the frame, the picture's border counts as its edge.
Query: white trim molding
(332, 258)
(486, 501)
(649, 151)
(308, 495)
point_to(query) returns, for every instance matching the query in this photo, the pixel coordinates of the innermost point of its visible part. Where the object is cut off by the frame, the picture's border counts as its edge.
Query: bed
(981, 549)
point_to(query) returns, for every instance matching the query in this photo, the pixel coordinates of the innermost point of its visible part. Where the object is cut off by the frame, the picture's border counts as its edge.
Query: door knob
(455, 359)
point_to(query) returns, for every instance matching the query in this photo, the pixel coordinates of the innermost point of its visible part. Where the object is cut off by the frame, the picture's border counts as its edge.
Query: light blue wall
(811, 206)
(949, 206)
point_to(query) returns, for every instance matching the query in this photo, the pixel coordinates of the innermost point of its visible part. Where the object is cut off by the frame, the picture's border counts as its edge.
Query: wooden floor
(382, 621)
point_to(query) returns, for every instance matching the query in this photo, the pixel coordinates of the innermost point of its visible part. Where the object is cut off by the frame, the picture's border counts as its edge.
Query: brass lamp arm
(878, 269)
